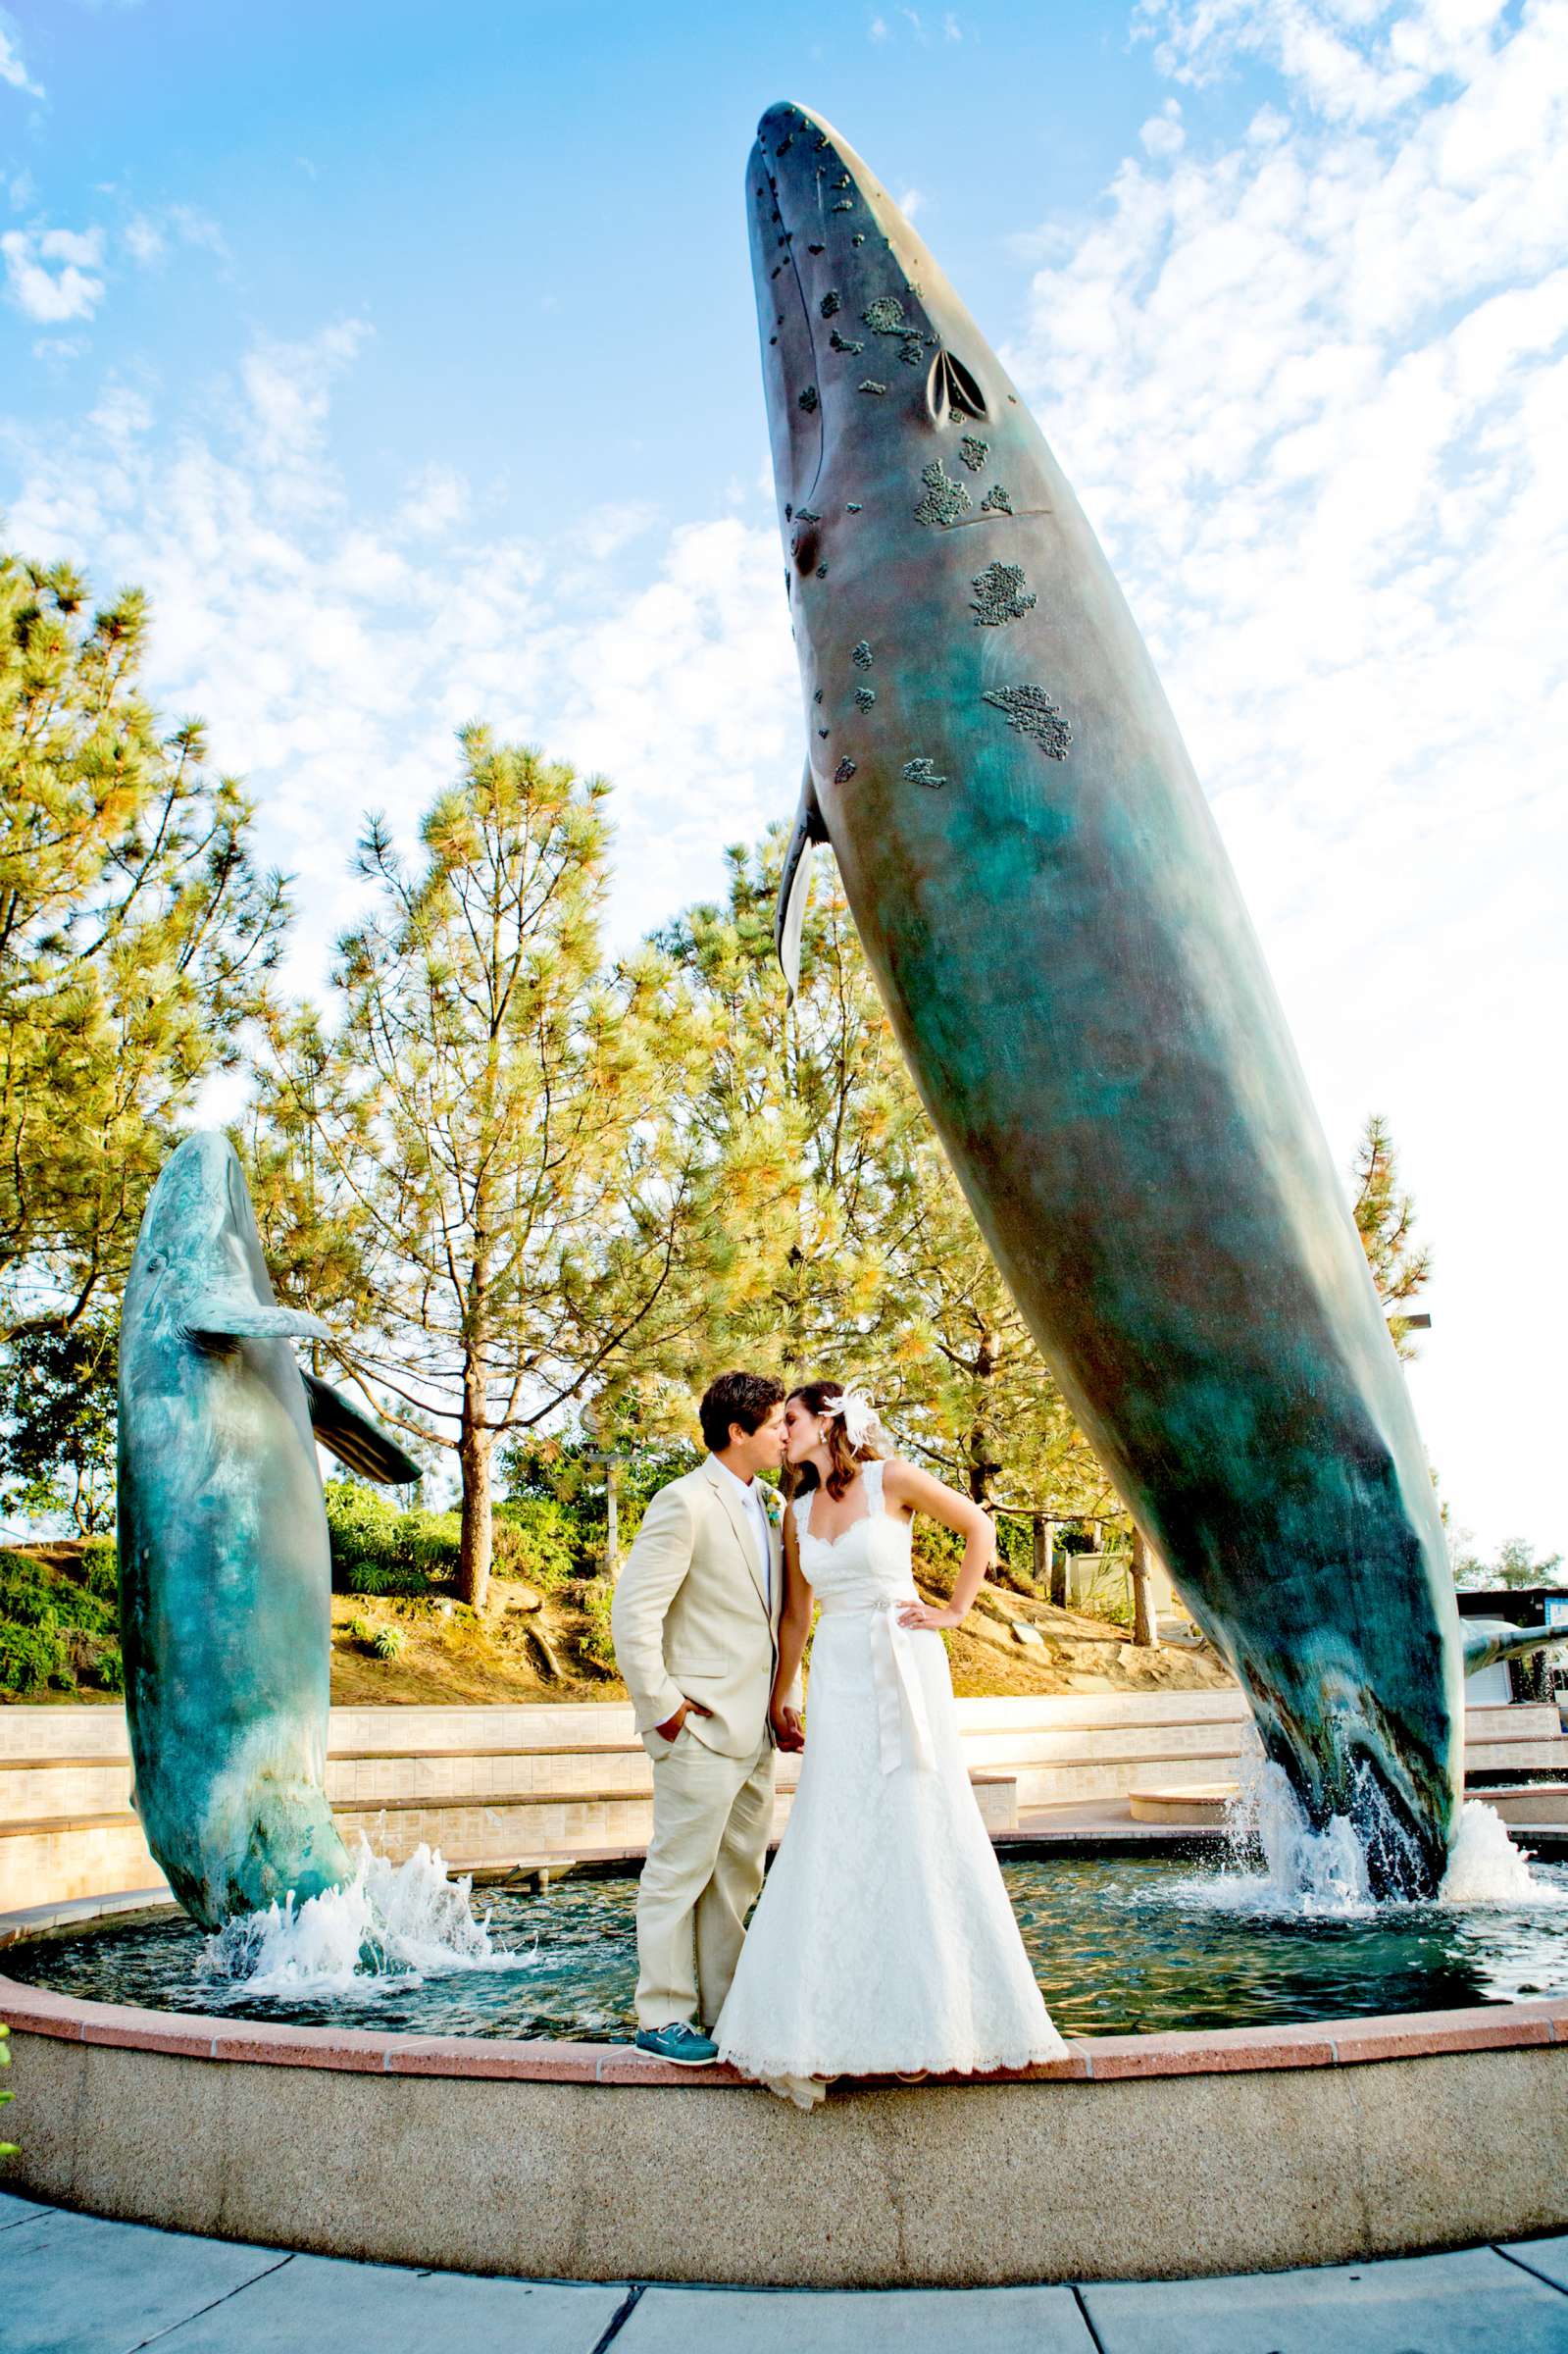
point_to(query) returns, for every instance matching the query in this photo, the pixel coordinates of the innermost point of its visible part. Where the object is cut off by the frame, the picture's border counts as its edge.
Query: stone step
(1514, 1753)
(43, 1787)
(63, 1861)
(1085, 1778)
(1050, 1764)
(83, 1734)
(1540, 1806)
(1203, 1804)
(1537, 1803)
(87, 1855)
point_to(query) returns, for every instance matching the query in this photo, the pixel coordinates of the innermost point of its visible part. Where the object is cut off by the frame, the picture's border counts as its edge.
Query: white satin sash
(903, 1730)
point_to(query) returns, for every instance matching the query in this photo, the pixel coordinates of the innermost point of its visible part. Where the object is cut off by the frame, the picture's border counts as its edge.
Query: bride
(882, 1942)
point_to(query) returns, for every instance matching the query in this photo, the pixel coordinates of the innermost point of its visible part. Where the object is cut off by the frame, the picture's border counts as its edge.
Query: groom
(695, 1625)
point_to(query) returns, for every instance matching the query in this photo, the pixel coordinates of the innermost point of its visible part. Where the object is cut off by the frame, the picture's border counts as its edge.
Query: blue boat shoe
(680, 2043)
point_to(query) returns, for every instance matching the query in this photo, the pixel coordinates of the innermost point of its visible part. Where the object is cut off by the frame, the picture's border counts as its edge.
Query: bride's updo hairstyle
(820, 1398)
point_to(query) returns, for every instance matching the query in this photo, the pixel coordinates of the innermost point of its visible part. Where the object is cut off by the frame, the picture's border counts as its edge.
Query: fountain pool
(1121, 1945)
(1262, 2069)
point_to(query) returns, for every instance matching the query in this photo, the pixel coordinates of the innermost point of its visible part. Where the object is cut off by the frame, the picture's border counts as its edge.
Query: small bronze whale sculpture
(224, 1577)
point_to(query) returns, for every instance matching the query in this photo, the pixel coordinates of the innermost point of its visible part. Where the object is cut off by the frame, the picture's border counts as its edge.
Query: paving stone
(868, 2321)
(76, 2284)
(1547, 2257)
(1464, 2303)
(19, 2211)
(321, 2302)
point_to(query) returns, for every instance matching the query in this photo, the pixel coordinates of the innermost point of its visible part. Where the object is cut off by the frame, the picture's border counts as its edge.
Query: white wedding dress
(883, 1941)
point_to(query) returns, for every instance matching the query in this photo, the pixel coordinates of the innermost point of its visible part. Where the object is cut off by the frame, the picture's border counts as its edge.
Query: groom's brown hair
(744, 1397)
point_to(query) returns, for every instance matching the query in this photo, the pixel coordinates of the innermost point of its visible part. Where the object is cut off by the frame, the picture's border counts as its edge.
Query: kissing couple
(883, 1943)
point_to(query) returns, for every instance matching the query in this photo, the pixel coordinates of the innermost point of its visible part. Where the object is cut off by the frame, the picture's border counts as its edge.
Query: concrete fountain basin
(1136, 2157)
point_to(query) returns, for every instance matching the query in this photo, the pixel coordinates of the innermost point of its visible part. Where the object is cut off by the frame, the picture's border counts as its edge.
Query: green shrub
(537, 1538)
(377, 1548)
(595, 1643)
(59, 1621)
(33, 1659)
(100, 1570)
(387, 1642)
(382, 1577)
(938, 1547)
(8, 2149)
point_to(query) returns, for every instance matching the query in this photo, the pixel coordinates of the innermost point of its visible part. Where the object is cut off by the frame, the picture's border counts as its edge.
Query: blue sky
(408, 360)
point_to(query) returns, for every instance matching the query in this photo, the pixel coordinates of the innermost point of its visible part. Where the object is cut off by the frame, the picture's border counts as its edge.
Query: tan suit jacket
(692, 1620)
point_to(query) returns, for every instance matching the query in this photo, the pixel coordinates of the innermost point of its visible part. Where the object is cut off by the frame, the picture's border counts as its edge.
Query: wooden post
(1144, 1633)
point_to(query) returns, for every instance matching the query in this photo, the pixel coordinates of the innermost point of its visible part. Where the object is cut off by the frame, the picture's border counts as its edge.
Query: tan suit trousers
(712, 1817)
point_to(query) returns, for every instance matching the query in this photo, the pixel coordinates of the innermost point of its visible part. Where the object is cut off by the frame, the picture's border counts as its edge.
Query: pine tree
(1385, 1219)
(813, 1100)
(135, 936)
(483, 1133)
(979, 1402)
(876, 1268)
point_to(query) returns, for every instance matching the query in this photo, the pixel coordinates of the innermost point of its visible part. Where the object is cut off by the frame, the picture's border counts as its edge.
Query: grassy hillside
(399, 1633)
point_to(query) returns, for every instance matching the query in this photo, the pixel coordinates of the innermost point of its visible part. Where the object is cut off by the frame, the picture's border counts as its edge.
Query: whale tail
(1489, 1640)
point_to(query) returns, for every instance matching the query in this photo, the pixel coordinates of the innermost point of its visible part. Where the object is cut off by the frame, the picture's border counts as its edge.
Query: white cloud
(1309, 385)
(287, 388)
(12, 69)
(148, 235)
(145, 241)
(876, 29)
(51, 273)
(1163, 134)
(1350, 60)
(910, 203)
(437, 498)
(334, 652)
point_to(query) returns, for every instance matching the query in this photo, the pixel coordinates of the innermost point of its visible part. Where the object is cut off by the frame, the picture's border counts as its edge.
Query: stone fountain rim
(1216, 2051)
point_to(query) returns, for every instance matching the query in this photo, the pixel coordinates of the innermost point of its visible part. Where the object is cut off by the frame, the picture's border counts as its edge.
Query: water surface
(1120, 1946)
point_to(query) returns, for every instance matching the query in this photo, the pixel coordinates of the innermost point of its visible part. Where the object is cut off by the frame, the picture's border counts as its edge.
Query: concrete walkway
(75, 2285)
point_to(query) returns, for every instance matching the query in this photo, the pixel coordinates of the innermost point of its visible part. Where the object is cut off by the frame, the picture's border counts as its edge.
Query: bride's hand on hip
(924, 1614)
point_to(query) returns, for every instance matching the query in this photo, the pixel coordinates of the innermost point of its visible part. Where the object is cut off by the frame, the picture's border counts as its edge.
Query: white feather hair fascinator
(858, 1416)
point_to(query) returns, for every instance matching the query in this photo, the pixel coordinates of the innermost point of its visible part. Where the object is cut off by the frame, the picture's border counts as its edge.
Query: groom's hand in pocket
(672, 1724)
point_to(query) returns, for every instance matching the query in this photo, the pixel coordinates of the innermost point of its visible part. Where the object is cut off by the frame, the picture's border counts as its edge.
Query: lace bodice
(867, 1562)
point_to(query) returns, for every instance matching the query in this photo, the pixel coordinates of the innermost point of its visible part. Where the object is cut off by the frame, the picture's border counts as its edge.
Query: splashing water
(1484, 1868)
(392, 1926)
(1306, 1871)
(1322, 1874)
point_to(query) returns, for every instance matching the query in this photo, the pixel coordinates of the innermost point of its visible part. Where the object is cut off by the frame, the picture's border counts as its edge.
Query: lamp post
(612, 1512)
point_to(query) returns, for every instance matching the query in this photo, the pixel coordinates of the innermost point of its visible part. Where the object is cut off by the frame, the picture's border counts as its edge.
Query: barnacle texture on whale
(1062, 947)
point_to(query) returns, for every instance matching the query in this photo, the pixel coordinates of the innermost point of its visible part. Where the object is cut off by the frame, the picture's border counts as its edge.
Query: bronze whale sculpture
(1060, 940)
(224, 1577)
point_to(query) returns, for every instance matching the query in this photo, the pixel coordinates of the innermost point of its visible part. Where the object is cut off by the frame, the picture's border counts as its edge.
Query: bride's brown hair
(819, 1397)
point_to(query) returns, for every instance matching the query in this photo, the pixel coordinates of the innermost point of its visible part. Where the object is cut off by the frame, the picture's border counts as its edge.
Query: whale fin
(794, 885)
(1490, 1641)
(218, 1316)
(345, 1431)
